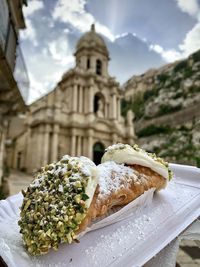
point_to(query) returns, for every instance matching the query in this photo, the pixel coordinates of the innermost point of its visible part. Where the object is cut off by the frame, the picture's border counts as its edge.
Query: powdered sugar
(37, 181)
(85, 168)
(112, 176)
(131, 232)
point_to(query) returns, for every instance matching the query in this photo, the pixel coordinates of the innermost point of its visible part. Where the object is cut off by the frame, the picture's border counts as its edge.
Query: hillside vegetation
(175, 93)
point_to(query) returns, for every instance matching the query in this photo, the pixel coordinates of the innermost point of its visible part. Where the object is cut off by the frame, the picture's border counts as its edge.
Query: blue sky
(140, 34)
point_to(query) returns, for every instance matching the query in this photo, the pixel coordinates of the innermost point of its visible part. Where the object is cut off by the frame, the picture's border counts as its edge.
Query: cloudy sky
(140, 34)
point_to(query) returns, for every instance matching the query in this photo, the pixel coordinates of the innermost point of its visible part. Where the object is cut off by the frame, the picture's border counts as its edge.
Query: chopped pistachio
(54, 206)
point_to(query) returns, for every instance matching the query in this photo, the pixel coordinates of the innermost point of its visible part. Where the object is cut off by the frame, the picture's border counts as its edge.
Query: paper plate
(137, 236)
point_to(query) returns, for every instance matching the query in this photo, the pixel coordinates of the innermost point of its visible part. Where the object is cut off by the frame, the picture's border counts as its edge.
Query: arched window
(98, 151)
(88, 63)
(96, 101)
(98, 67)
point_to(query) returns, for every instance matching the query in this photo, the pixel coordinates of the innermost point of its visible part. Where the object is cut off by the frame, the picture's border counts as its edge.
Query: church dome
(92, 40)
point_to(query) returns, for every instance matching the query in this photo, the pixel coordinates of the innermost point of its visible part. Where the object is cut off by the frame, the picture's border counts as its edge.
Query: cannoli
(56, 203)
(67, 196)
(127, 172)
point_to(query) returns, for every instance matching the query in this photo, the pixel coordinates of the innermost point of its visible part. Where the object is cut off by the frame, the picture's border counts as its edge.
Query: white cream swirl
(123, 153)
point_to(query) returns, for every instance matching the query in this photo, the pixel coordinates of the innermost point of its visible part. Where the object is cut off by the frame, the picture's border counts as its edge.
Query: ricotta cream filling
(128, 155)
(90, 170)
(91, 187)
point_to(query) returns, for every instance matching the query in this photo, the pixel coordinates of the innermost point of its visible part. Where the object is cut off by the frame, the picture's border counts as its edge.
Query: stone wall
(138, 84)
(166, 103)
(174, 119)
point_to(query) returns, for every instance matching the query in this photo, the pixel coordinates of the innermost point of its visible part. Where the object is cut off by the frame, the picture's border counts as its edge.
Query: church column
(74, 100)
(118, 109)
(114, 106)
(79, 152)
(38, 155)
(90, 147)
(80, 108)
(85, 105)
(114, 138)
(93, 63)
(108, 112)
(46, 144)
(85, 146)
(54, 154)
(83, 100)
(90, 144)
(32, 151)
(106, 107)
(73, 145)
(104, 68)
(84, 62)
(2, 140)
(90, 98)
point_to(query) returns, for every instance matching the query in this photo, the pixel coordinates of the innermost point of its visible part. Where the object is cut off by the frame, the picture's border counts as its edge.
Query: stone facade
(82, 116)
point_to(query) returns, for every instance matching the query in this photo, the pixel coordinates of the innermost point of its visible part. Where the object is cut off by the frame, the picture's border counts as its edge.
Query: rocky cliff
(166, 103)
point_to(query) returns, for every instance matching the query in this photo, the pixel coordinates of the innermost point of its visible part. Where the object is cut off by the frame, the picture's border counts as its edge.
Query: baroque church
(81, 116)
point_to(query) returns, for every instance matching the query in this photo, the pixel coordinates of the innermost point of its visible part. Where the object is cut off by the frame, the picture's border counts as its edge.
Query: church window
(88, 63)
(98, 67)
(98, 151)
(96, 100)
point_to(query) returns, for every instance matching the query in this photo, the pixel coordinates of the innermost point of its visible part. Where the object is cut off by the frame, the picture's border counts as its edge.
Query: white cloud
(66, 30)
(36, 88)
(60, 52)
(124, 34)
(32, 7)
(189, 6)
(191, 42)
(47, 66)
(40, 87)
(73, 12)
(104, 30)
(29, 33)
(157, 48)
(172, 55)
(169, 55)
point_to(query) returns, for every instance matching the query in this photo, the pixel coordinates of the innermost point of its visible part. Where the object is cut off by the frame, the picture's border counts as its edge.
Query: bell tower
(92, 54)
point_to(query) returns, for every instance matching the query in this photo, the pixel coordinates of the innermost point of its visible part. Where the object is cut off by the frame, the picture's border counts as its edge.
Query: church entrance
(98, 151)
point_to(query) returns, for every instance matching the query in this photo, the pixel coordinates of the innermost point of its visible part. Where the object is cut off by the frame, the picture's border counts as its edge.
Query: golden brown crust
(91, 214)
(130, 188)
